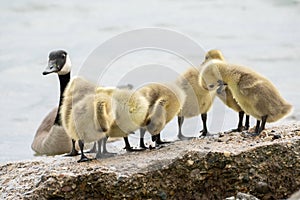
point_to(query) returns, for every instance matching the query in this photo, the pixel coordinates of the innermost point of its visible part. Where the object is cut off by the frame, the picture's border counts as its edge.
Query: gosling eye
(211, 86)
(206, 57)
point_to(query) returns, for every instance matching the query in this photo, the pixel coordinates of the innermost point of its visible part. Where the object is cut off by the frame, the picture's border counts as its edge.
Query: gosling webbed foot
(204, 133)
(207, 134)
(233, 131)
(143, 146)
(157, 139)
(142, 143)
(72, 153)
(127, 147)
(160, 142)
(182, 137)
(107, 152)
(105, 155)
(239, 129)
(84, 159)
(131, 149)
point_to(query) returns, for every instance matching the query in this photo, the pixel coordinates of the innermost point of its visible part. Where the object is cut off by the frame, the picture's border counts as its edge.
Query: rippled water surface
(262, 34)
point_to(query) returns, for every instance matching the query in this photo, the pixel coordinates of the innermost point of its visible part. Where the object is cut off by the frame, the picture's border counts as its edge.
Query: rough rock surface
(217, 167)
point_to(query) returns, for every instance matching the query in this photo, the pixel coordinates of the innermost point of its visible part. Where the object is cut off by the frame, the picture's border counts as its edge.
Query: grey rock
(182, 170)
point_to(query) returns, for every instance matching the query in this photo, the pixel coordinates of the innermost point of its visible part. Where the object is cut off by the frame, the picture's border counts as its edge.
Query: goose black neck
(63, 81)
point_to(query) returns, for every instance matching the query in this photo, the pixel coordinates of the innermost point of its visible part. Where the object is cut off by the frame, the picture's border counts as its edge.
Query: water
(262, 34)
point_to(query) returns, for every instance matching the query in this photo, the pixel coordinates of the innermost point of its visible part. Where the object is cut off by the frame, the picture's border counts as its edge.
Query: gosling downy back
(166, 101)
(255, 94)
(129, 107)
(87, 118)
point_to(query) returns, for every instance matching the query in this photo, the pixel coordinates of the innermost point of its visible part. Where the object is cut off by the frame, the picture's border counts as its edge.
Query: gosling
(199, 100)
(255, 94)
(85, 115)
(225, 94)
(130, 112)
(165, 102)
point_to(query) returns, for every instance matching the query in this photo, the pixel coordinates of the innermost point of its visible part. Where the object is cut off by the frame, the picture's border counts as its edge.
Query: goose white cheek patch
(67, 67)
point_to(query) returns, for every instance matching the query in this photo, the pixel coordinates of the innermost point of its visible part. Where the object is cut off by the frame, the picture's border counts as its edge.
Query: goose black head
(59, 62)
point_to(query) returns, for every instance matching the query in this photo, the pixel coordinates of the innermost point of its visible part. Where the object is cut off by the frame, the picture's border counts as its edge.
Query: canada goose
(225, 94)
(49, 135)
(255, 94)
(50, 138)
(198, 99)
(86, 116)
(165, 102)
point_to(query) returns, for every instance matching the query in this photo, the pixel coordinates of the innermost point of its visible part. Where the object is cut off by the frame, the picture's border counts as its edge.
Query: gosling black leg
(106, 153)
(247, 123)
(83, 157)
(180, 136)
(73, 152)
(180, 120)
(99, 153)
(104, 141)
(128, 147)
(142, 134)
(257, 128)
(263, 123)
(204, 119)
(240, 124)
(158, 141)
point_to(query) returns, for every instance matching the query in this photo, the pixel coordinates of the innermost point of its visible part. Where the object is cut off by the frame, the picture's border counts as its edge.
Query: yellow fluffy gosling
(225, 94)
(255, 94)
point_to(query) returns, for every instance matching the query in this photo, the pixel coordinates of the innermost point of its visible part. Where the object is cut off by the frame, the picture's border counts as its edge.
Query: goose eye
(211, 86)
(63, 56)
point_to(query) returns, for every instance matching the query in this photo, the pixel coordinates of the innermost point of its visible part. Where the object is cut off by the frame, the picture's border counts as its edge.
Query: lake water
(262, 34)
